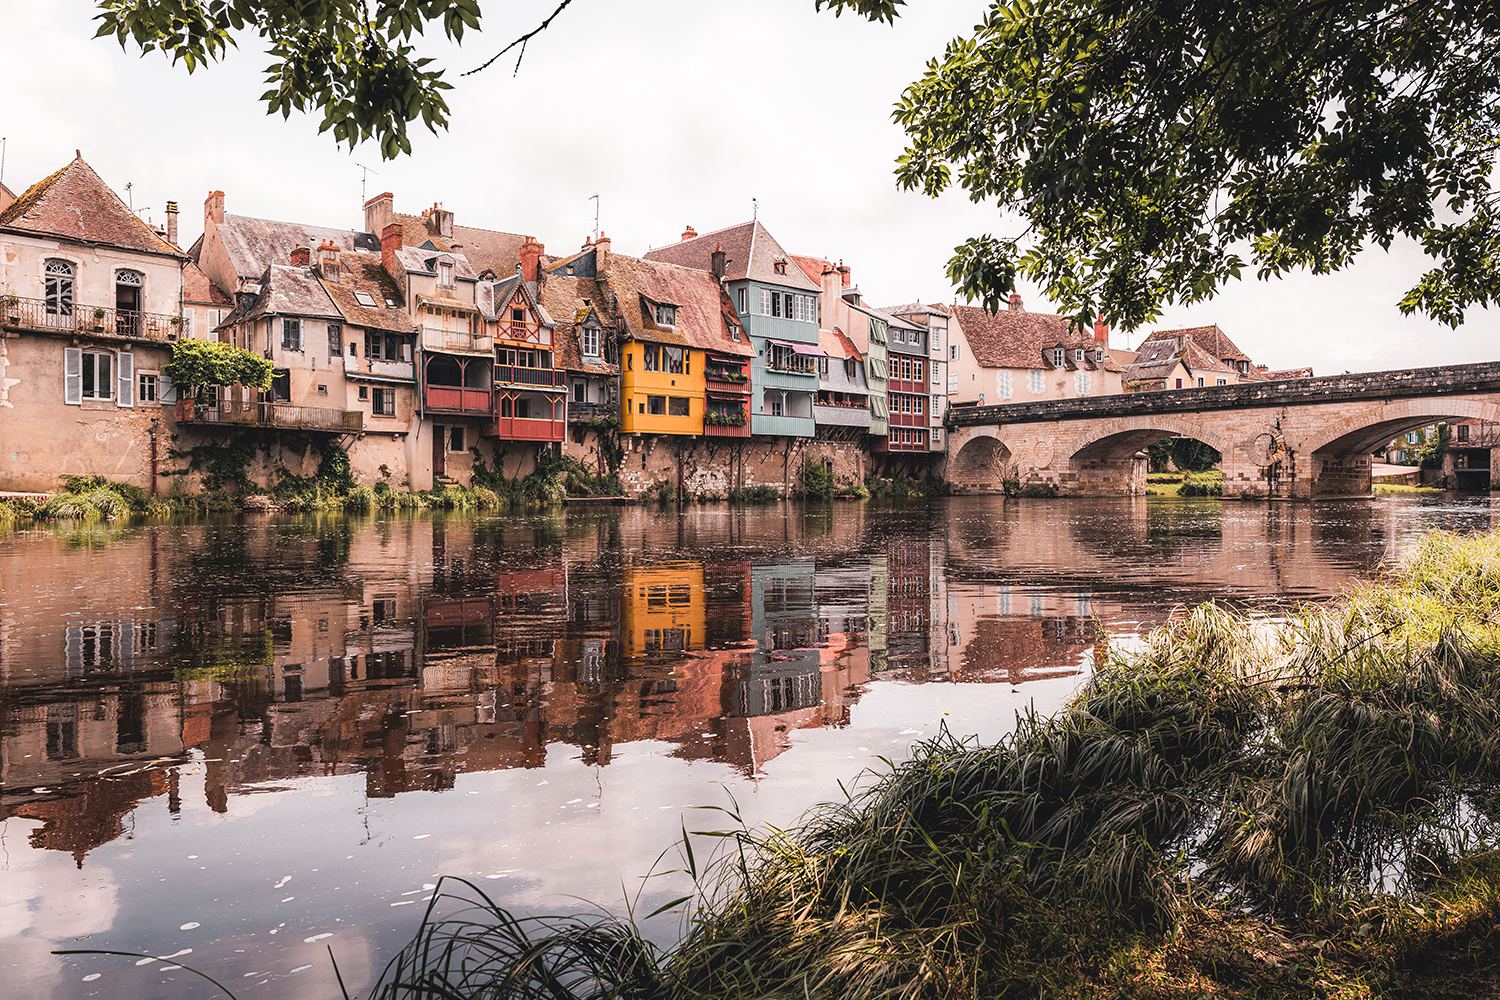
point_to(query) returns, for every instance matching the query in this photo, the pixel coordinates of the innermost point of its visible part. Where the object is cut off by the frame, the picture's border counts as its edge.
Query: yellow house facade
(662, 388)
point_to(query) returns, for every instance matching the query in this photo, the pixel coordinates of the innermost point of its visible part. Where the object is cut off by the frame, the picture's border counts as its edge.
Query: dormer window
(1244, 367)
(1078, 355)
(1057, 357)
(666, 315)
(445, 273)
(589, 342)
(780, 266)
(1098, 357)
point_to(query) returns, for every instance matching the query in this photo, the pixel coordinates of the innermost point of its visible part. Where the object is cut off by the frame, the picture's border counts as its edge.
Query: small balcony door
(59, 292)
(128, 287)
(439, 450)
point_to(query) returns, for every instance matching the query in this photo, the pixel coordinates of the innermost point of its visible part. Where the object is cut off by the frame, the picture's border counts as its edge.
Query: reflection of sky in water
(709, 658)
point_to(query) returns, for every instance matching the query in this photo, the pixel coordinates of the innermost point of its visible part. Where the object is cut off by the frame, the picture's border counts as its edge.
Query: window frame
(291, 333)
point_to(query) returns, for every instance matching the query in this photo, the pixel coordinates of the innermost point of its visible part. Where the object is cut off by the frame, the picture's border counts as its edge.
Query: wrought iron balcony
(17, 313)
(269, 414)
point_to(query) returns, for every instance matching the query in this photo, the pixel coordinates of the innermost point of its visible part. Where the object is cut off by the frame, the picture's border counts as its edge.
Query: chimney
(1101, 332)
(301, 257)
(830, 285)
(440, 221)
(601, 254)
(531, 256)
(844, 275)
(689, 233)
(390, 242)
(1015, 302)
(380, 211)
(716, 260)
(328, 260)
(172, 222)
(213, 208)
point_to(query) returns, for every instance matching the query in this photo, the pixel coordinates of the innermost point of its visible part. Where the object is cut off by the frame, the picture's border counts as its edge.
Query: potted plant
(98, 318)
(13, 306)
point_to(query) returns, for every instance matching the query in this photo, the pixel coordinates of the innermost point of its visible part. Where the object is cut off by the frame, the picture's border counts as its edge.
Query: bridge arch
(1121, 439)
(1364, 433)
(979, 464)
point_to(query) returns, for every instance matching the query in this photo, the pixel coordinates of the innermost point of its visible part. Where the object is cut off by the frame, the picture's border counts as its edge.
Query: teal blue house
(777, 305)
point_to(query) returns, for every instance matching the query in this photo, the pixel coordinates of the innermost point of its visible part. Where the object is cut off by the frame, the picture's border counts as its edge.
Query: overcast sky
(675, 112)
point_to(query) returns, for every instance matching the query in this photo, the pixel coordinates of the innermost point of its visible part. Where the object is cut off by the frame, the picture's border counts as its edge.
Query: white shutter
(126, 379)
(73, 375)
(166, 392)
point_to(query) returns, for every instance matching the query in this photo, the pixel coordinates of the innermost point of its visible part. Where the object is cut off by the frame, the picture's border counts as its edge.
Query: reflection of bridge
(1293, 438)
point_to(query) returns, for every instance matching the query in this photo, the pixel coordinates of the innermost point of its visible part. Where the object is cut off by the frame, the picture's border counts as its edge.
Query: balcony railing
(728, 379)
(32, 314)
(456, 341)
(455, 399)
(726, 430)
(527, 429)
(391, 369)
(582, 413)
(843, 416)
(268, 414)
(517, 375)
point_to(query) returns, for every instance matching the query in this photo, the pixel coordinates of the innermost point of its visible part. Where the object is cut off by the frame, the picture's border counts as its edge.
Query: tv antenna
(364, 176)
(2, 160)
(754, 209)
(130, 198)
(595, 199)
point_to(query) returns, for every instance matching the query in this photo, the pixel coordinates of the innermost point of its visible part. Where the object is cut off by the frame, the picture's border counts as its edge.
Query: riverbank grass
(1307, 807)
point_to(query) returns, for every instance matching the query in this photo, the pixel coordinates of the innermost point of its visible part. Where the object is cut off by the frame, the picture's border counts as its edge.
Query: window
(652, 357)
(656, 405)
(1078, 355)
(145, 389)
(905, 402)
(59, 289)
(98, 382)
(383, 404)
(916, 370)
(671, 360)
(765, 302)
(518, 322)
(1002, 385)
(1057, 357)
(187, 324)
(291, 335)
(677, 406)
(734, 333)
(742, 297)
(1179, 384)
(823, 367)
(665, 314)
(776, 303)
(365, 299)
(916, 403)
(590, 342)
(445, 277)
(1462, 431)
(952, 352)
(1411, 437)
(322, 390)
(335, 340)
(775, 400)
(577, 392)
(1081, 383)
(851, 369)
(1099, 356)
(1200, 381)
(364, 392)
(455, 439)
(1221, 381)
(1036, 381)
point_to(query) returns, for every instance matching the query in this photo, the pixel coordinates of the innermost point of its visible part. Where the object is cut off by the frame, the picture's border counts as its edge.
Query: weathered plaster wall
(708, 468)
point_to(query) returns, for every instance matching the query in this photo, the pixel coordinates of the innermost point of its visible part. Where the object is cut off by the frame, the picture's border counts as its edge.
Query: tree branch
(521, 42)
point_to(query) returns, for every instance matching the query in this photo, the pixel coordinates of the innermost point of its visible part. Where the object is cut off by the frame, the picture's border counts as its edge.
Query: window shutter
(73, 375)
(166, 392)
(126, 371)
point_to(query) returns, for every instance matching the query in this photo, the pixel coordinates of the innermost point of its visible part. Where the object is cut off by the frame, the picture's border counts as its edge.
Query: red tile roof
(198, 290)
(813, 267)
(1211, 339)
(750, 252)
(362, 272)
(569, 299)
(75, 204)
(704, 317)
(1016, 338)
(486, 249)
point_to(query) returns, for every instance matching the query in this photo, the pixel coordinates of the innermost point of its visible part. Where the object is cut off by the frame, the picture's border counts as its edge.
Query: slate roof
(750, 252)
(362, 272)
(1015, 338)
(291, 291)
(252, 244)
(75, 204)
(704, 314)
(916, 309)
(486, 249)
(421, 259)
(570, 299)
(198, 290)
(1285, 373)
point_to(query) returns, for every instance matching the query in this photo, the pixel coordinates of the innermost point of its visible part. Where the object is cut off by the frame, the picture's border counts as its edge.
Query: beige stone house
(89, 307)
(1015, 356)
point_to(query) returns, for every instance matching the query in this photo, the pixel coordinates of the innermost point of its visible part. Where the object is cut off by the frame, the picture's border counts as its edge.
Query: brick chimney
(440, 221)
(213, 208)
(328, 260)
(172, 222)
(601, 254)
(301, 257)
(380, 211)
(531, 256)
(1015, 302)
(390, 242)
(1101, 331)
(717, 261)
(689, 233)
(844, 274)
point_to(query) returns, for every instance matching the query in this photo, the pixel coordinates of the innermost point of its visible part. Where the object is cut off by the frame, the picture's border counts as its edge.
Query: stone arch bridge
(1291, 438)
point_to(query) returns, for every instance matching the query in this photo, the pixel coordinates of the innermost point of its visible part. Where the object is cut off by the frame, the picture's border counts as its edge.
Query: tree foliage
(1156, 149)
(351, 60)
(199, 363)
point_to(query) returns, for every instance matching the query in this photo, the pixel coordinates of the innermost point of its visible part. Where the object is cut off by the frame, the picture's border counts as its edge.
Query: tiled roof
(1015, 338)
(486, 249)
(362, 272)
(750, 252)
(813, 267)
(1145, 371)
(253, 244)
(1197, 360)
(198, 290)
(836, 345)
(916, 309)
(75, 204)
(1211, 339)
(291, 291)
(704, 317)
(420, 260)
(570, 299)
(1286, 373)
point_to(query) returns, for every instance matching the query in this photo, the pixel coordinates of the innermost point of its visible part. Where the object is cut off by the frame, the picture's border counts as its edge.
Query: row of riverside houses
(423, 347)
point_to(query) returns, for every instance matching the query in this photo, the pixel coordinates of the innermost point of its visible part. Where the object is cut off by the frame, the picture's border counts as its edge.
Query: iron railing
(518, 375)
(17, 313)
(269, 414)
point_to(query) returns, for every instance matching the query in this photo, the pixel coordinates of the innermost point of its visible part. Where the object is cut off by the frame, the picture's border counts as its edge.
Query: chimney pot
(301, 257)
(1101, 331)
(717, 261)
(1015, 302)
(601, 254)
(172, 222)
(531, 256)
(390, 242)
(689, 233)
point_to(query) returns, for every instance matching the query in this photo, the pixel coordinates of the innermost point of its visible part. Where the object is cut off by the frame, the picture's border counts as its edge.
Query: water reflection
(198, 666)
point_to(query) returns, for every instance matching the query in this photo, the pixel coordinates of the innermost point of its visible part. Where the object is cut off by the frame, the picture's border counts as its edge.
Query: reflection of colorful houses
(662, 610)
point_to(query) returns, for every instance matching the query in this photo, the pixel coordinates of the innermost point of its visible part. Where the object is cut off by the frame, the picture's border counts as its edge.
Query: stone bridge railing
(1408, 382)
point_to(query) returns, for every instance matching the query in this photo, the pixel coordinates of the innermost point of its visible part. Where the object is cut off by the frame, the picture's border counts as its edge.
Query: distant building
(1196, 357)
(1019, 356)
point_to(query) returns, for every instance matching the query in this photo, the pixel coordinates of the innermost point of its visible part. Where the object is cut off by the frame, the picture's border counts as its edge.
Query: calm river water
(235, 744)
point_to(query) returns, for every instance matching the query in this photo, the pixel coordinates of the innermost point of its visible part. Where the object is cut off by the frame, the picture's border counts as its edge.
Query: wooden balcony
(527, 429)
(517, 375)
(726, 430)
(88, 321)
(458, 400)
(724, 383)
(582, 413)
(268, 414)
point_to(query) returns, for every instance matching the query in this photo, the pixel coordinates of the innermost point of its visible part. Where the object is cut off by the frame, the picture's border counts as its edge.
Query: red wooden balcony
(529, 429)
(518, 375)
(459, 400)
(727, 431)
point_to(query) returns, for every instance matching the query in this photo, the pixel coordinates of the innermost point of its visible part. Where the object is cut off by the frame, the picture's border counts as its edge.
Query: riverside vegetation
(1304, 807)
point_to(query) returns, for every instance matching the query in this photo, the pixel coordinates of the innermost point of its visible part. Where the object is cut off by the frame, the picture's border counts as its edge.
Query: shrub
(360, 498)
(1201, 484)
(816, 479)
(758, 494)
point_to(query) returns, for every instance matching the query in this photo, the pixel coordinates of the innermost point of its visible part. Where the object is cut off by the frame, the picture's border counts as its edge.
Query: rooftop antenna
(364, 176)
(2, 161)
(130, 198)
(754, 209)
(595, 199)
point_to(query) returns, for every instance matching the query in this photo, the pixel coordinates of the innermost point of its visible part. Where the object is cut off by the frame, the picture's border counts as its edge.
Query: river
(238, 743)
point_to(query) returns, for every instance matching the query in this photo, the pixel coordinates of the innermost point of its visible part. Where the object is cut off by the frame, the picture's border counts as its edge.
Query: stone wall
(708, 468)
